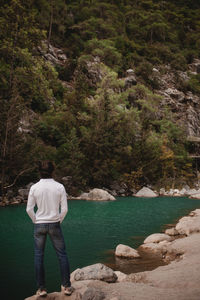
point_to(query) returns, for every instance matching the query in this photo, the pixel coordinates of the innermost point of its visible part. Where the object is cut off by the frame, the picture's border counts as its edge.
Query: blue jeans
(55, 233)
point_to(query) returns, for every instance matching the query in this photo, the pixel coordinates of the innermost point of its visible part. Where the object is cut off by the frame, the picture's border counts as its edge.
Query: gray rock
(130, 81)
(23, 193)
(130, 72)
(93, 294)
(95, 272)
(146, 192)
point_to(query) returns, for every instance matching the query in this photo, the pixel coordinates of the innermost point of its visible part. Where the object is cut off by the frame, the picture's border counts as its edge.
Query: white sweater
(51, 200)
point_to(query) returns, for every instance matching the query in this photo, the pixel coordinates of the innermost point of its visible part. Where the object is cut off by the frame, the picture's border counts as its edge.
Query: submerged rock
(146, 192)
(95, 272)
(126, 251)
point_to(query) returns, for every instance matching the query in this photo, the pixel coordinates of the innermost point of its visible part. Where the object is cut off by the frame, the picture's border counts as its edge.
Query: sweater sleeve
(63, 204)
(30, 206)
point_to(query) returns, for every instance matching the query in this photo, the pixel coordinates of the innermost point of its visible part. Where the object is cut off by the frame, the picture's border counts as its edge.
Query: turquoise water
(90, 230)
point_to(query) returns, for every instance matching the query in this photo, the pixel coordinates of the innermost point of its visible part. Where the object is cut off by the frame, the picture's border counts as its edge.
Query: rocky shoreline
(178, 280)
(97, 194)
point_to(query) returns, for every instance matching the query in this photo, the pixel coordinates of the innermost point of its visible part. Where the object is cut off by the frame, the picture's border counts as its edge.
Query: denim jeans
(55, 233)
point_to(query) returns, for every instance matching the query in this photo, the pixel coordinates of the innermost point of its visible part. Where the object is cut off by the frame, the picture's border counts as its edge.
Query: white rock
(183, 192)
(97, 195)
(195, 196)
(157, 237)
(146, 192)
(126, 251)
(191, 192)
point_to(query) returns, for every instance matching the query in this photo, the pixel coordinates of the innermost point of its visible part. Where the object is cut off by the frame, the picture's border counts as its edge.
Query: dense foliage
(96, 132)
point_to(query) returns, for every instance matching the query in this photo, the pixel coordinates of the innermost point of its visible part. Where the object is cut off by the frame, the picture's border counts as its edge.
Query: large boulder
(97, 195)
(146, 193)
(157, 238)
(189, 224)
(95, 272)
(126, 251)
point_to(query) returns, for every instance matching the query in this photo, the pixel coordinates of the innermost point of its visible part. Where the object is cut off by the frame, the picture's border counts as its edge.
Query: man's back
(48, 195)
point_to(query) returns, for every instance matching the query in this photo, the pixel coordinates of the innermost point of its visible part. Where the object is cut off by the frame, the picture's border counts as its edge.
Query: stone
(162, 191)
(126, 252)
(130, 72)
(192, 192)
(195, 196)
(155, 70)
(93, 294)
(97, 195)
(171, 231)
(96, 272)
(157, 237)
(146, 192)
(189, 224)
(130, 80)
(120, 276)
(156, 248)
(23, 193)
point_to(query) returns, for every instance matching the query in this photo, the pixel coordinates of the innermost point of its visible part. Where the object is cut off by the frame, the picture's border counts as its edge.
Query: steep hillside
(109, 90)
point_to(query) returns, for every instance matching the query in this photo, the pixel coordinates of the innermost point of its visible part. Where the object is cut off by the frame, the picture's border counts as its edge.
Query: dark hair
(46, 168)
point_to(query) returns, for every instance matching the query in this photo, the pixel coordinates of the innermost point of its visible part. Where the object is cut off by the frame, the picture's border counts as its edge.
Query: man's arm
(63, 205)
(30, 206)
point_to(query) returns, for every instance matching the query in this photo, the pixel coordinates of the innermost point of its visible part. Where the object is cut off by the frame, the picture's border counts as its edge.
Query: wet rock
(146, 192)
(156, 248)
(95, 272)
(126, 252)
(157, 237)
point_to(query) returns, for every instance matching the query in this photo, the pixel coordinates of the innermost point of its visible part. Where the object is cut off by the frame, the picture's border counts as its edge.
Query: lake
(92, 231)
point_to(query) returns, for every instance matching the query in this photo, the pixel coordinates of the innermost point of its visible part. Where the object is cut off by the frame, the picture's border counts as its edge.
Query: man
(50, 198)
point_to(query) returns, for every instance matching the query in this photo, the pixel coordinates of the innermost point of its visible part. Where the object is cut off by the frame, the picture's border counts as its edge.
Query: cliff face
(184, 105)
